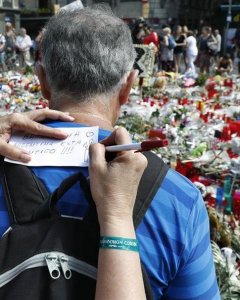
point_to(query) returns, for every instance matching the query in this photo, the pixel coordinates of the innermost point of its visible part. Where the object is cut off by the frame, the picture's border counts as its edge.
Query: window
(15, 4)
(7, 3)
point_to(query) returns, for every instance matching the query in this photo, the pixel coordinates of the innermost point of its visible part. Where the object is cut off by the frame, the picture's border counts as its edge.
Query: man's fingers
(42, 114)
(39, 129)
(97, 161)
(134, 74)
(25, 124)
(118, 137)
(14, 153)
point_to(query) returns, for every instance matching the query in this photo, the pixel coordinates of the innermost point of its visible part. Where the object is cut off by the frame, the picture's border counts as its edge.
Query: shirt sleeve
(196, 279)
(165, 41)
(29, 41)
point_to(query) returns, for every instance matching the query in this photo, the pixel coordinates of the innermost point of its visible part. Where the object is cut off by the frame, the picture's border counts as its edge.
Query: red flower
(211, 93)
(228, 83)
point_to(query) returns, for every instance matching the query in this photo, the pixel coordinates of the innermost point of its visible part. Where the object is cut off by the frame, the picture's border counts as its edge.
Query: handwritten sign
(71, 152)
(145, 60)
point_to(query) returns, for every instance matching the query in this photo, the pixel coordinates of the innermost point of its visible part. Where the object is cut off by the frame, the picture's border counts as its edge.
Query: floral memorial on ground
(201, 121)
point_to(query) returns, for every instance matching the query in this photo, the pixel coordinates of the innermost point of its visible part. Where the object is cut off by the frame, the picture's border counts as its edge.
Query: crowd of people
(182, 50)
(177, 49)
(15, 48)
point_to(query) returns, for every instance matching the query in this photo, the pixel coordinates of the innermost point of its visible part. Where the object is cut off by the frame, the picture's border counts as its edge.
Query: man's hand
(28, 122)
(114, 184)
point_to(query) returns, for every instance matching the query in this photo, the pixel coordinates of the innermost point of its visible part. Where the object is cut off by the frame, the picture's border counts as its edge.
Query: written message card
(71, 152)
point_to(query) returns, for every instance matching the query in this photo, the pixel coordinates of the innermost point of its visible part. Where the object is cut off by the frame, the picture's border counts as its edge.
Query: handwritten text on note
(71, 152)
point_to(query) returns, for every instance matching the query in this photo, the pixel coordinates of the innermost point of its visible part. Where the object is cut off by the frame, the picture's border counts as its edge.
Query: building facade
(9, 12)
(35, 13)
(191, 12)
(184, 12)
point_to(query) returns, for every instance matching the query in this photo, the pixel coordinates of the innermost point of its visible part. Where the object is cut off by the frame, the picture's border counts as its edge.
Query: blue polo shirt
(173, 235)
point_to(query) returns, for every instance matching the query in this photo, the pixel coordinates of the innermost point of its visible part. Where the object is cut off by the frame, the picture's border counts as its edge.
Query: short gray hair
(86, 52)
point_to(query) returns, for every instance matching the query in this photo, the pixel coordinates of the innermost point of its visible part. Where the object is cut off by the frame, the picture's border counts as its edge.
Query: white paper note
(71, 152)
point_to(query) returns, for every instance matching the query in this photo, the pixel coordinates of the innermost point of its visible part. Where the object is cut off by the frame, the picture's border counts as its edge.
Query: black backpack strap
(33, 202)
(150, 182)
(147, 285)
(66, 184)
(27, 198)
(25, 195)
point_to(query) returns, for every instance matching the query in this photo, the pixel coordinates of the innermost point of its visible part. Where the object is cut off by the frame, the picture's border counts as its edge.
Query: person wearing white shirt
(23, 44)
(191, 53)
(219, 41)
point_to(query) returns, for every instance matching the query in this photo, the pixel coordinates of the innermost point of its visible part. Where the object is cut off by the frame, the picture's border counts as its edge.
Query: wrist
(112, 220)
(117, 227)
(114, 216)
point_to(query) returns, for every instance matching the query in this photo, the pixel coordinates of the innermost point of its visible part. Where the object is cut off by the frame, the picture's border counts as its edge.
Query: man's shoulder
(176, 201)
(180, 188)
(166, 227)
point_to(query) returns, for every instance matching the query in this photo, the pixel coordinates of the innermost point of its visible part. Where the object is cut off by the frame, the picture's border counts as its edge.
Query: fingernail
(71, 118)
(63, 134)
(25, 157)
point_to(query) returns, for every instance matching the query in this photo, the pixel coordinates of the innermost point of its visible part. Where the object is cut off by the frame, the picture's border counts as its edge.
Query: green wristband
(118, 243)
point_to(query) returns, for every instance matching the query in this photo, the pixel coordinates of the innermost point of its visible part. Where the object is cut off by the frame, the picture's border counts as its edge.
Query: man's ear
(126, 87)
(40, 72)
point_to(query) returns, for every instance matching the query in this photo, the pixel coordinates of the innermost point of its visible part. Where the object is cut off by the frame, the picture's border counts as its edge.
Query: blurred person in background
(167, 46)
(205, 52)
(10, 39)
(212, 43)
(23, 44)
(196, 33)
(225, 65)
(138, 31)
(2, 51)
(150, 36)
(180, 40)
(218, 38)
(191, 53)
(184, 32)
